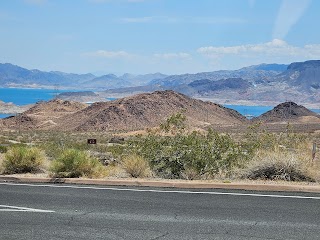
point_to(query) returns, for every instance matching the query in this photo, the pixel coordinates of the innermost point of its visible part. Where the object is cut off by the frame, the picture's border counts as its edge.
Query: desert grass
(280, 164)
(136, 166)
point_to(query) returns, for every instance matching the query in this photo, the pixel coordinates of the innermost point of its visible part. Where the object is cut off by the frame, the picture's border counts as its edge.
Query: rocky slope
(10, 108)
(288, 112)
(136, 112)
(43, 115)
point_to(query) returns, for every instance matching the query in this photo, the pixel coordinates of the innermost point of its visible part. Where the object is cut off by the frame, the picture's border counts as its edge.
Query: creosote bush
(190, 155)
(136, 166)
(76, 163)
(22, 159)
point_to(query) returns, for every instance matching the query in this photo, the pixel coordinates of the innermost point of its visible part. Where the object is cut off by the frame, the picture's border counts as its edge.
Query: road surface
(35, 211)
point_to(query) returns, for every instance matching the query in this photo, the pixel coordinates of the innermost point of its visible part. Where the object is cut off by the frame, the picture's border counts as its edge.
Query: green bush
(190, 155)
(21, 159)
(3, 149)
(74, 163)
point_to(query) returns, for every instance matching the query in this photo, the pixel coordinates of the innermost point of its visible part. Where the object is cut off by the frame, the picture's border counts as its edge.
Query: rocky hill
(304, 75)
(288, 112)
(10, 108)
(149, 110)
(82, 96)
(206, 86)
(136, 112)
(43, 115)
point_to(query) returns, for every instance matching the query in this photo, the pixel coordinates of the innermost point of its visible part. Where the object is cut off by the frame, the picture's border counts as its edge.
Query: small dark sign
(92, 141)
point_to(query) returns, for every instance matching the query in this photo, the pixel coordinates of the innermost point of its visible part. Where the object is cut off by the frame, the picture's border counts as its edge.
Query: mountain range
(264, 84)
(15, 76)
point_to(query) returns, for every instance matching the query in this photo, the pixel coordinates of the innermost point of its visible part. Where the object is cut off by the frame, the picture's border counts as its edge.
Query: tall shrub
(22, 159)
(76, 163)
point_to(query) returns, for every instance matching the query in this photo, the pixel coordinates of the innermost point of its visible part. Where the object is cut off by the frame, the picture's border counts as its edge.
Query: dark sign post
(314, 151)
(92, 141)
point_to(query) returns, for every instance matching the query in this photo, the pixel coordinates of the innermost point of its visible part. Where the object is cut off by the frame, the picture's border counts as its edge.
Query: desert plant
(136, 166)
(76, 163)
(279, 165)
(3, 149)
(22, 159)
(176, 123)
(204, 153)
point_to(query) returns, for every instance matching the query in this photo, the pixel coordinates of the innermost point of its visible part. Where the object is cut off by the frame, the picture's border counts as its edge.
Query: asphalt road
(88, 212)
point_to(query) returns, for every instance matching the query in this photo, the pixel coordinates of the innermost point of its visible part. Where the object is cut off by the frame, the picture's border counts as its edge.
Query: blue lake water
(20, 96)
(5, 115)
(250, 110)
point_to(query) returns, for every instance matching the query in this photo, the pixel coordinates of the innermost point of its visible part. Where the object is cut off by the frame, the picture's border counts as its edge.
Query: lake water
(20, 96)
(5, 115)
(250, 111)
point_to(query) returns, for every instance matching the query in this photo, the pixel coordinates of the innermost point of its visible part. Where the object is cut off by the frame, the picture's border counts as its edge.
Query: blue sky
(168, 36)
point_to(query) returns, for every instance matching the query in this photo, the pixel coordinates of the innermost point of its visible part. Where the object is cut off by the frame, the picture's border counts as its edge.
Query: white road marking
(8, 208)
(163, 191)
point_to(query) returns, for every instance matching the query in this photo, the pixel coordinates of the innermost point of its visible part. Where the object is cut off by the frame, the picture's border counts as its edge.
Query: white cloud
(289, 14)
(167, 56)
(274, 48)
(279, 51)
(110, 54)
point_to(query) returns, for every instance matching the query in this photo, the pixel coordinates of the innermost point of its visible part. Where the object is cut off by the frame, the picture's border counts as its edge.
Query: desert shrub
(3, 149)
(136, 166)
(22, 159)
(279, 165)
(195, 154)
(76, 163)
(257, 138)
(176, 123)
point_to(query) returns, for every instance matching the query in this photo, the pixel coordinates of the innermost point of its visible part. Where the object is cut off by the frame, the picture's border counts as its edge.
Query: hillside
(149, 110)
(288, 112)
(305, 75)
(136, 112)
(206, 86)
(43, 115)
(10, 108)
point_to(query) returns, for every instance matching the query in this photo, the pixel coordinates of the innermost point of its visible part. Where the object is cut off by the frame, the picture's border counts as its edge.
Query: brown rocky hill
(148, 110)
(43, 115)
(288, 111)
(130, 113)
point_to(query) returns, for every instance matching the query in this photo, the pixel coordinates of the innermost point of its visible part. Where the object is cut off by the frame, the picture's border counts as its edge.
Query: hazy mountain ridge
(251, 73)
(12, 75)
(267, 83)
(16, 76)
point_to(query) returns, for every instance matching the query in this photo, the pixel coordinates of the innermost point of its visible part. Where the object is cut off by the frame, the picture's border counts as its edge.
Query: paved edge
(166, 184)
